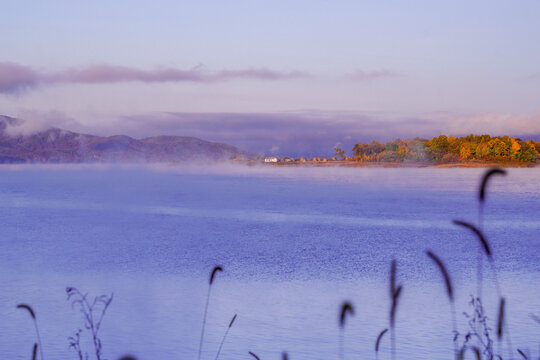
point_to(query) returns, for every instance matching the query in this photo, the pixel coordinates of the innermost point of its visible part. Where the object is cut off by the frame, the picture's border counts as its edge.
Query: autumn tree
(443, 149)
(374, 147)
(359, 149)
(339, 153)
(437, 147)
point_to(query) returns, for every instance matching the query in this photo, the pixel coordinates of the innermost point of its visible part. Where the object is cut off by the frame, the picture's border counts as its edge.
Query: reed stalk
(33, 315)
(449, 292)
(225, 336)
(395, 292)
(212, 275)
(378, 342)
(346, 308)
(481, 203)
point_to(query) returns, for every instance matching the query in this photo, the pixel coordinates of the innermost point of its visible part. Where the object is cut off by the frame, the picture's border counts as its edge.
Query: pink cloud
(360, 75)
(15, 77)
(534, 77)
(263, 74)
(113, 74)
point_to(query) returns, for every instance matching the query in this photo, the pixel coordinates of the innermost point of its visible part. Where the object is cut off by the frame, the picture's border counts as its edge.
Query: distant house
(271, 159)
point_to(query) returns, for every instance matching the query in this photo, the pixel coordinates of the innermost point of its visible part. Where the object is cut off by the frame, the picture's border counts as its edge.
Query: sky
(276, 77)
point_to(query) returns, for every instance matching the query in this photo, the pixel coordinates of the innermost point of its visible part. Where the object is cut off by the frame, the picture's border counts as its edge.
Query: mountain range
(62, 146)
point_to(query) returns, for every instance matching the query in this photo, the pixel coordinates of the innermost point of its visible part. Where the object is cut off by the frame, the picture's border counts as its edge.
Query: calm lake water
(294, 243)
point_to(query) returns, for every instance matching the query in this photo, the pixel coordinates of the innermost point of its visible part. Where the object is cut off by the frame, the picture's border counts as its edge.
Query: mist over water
(293, 242)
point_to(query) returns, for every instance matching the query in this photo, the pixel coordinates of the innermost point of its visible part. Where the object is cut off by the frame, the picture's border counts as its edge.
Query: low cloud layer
(298, 133)
(316, 132)
(31, 122)
(16, 78)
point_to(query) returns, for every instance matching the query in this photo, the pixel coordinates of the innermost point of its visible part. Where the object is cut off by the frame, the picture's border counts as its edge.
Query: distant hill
(61, 146)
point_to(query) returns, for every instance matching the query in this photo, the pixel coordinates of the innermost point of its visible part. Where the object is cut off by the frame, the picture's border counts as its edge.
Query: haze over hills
(62, 146)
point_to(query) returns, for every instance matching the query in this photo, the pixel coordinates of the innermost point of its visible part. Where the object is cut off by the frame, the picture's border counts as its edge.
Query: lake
(294, 243)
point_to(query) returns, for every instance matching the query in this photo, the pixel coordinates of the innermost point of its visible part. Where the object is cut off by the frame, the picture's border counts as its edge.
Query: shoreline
(281, 164)
(355, 164)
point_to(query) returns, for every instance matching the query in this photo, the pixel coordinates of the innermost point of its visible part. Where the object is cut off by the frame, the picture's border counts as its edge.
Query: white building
(270, 159)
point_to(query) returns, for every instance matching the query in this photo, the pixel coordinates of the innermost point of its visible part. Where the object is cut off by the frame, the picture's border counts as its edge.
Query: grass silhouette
(449, 292)
(38, 344)
(346, 308)
(225, 336)
(213, 273)
(378, 342)
(395, 293)
(93, 312)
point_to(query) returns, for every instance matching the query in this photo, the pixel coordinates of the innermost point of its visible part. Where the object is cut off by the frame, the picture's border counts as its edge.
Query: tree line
(446, 149)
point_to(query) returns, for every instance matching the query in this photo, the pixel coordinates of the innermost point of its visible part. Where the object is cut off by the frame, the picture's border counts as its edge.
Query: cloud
(314, 133)
(533, 77)
(294, 133)
(35, 121)
(15, 78)
(262, 74)
(495, 124)
(103, 74)
(360, 75)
